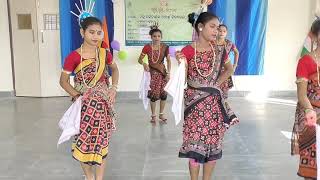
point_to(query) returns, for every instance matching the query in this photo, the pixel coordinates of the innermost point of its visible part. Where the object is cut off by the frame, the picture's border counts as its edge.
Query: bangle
(115, 87)
(307, 110)
(75, 97)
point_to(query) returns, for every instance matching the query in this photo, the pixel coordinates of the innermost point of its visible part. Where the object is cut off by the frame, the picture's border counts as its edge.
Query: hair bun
(191, 18)
(315, 28)
(154, 28)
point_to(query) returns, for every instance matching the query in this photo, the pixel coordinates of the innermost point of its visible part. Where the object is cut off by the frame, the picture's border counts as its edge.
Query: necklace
(152, 59)
(196, 63)
(83, 80)
(316, 59)
(221, 43)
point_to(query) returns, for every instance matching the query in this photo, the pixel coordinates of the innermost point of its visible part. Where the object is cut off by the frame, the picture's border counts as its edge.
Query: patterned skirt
(307, 148)
(203, 130)
(90, 146)
(157, 84)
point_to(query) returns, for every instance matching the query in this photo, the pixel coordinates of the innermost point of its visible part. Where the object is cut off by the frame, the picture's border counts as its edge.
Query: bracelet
(307, 110)
(115, 87)
(75, 97)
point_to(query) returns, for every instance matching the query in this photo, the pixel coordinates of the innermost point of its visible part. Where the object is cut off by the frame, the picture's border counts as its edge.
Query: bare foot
(162, 118)
(153, 119)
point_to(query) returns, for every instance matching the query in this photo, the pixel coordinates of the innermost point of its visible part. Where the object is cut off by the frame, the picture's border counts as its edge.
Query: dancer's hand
(112, 95)
(167, 77)
(180, 57)
(75, 97)
(234, 68)
(310, 117)
(146, 67)
(219, 84)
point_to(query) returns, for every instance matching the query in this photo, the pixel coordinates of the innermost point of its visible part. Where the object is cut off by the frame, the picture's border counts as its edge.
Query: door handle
(42, 38)
(33, 38)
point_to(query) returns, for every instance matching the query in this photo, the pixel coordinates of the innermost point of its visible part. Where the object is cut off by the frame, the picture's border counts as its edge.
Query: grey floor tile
(253, 150)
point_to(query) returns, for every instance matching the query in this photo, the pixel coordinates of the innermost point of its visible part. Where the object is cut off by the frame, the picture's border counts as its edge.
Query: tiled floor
(253, 150)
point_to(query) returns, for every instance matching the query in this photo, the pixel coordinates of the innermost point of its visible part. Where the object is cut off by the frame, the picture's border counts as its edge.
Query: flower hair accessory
(154, 26)
(85, 11)
(198, 12)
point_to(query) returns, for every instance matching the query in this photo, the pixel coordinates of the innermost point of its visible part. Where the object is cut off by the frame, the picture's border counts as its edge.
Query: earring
(200, 29)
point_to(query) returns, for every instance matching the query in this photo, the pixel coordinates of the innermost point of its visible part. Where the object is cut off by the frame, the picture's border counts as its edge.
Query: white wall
(6, 82)
(287, 29)
(288, 24)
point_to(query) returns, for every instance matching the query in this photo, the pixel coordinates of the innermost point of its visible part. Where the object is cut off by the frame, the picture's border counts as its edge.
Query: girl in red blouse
(160, 74)
(308, 109)
(222, 41)
(229, 46)
(89, 63)
(206, 113)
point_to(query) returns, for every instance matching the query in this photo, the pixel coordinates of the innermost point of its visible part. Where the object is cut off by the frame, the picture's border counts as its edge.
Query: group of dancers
(207, 114)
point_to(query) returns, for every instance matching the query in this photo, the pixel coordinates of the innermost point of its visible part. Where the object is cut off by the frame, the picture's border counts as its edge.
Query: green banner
(172, 16)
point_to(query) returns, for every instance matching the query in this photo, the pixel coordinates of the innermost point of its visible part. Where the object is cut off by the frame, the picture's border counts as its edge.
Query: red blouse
(147, 49)
(188, 51)
(306, 67)
(73, 60)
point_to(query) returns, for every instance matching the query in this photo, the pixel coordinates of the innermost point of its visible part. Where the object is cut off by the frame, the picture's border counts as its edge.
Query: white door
(49, 47)
(23, 16)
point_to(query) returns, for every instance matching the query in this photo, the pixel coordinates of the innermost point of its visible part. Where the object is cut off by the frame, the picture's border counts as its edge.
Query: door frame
(11, 48)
